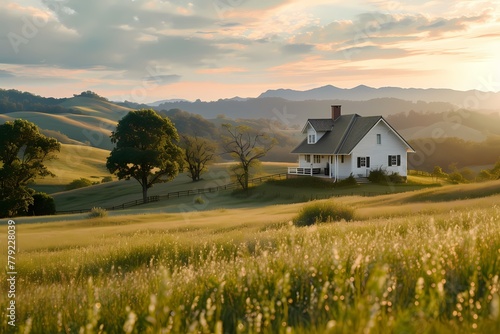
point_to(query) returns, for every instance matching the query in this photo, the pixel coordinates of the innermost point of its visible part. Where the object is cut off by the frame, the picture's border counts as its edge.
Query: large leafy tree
(198, 154)
(146, 149)
(23, 151)
(246, 146)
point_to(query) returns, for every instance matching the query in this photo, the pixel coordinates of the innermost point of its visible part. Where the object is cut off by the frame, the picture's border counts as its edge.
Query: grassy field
(95, 107)
(110, 194)
(425, 261)
(82, 128)
(74, 162)
(118, 192)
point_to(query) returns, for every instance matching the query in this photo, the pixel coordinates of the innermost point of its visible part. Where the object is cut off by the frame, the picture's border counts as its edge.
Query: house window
(317, 159)
(307, 157)
(342, 159)
(379, 138)
(394, 160)
(364, 162)
(311, 139)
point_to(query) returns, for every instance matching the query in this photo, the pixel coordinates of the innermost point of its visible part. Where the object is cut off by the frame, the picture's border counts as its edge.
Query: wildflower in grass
(128, 326)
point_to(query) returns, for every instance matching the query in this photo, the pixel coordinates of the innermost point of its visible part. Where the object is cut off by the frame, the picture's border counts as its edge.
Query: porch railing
(304, 170)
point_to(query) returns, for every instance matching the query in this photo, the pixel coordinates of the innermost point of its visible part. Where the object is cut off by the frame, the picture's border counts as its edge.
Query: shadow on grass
(459, 192)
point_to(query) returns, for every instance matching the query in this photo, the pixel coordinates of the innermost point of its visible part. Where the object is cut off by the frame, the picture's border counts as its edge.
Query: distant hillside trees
(43, 205)
(79, 183)
(90, 94)
(486, 123)
(490, 174)
(246, 146)
(191, 124)
(442, 152)
(146, 149)
(198, 154)
(13, 100)
(438, 173)
(466, 175)
(23, 151)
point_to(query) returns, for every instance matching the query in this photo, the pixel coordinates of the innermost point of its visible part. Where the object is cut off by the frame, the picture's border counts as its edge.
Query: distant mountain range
(297, 112)
(471, 99)
(88, 118)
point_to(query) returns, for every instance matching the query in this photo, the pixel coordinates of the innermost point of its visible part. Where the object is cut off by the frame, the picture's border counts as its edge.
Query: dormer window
(311, 139)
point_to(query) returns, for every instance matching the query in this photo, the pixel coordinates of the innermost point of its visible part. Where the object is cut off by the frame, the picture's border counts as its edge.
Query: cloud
(6, 74)
(296, 48)
(440, 26)
(370, 52)
(221, 70)
(491, 35)
(400, 27)
(112, 38)
(99, 42)
(164, 79)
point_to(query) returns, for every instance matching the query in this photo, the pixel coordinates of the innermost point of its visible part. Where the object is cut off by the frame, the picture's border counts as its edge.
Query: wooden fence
(125, 205)
(182, 193)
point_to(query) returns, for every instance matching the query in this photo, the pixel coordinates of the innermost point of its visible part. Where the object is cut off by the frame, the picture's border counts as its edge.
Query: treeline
(14, 100)
(191, 124)
(447, 151)
(483, 122)
(90, 94)
(196, 125)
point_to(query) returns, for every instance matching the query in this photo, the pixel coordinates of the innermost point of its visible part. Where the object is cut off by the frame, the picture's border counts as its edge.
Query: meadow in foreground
(428, 273)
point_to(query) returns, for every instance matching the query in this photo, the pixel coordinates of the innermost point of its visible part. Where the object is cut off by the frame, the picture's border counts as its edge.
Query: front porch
(321, 165)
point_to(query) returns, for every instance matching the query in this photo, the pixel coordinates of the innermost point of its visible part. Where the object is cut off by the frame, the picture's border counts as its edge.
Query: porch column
(336, 167)
(332, 166)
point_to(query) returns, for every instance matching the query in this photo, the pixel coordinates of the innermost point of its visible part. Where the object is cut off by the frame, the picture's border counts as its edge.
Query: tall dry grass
(420, 274)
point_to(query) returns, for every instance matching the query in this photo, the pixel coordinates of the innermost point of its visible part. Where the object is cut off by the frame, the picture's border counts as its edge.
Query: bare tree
(246, 146)
(198, 154)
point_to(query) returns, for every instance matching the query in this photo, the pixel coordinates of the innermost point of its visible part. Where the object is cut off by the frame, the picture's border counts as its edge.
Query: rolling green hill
(89, 130)
(96, 107)
(86, 120)
(74, 162)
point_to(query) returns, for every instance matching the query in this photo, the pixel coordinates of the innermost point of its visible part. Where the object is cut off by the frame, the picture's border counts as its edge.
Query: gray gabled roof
(343, 135)
(321, 124)
(360, 126)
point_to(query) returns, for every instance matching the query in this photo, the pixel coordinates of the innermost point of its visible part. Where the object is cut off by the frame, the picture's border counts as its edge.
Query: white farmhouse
(342, 145)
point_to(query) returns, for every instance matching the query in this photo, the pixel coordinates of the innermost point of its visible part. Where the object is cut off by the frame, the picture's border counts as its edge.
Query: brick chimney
(336, 112)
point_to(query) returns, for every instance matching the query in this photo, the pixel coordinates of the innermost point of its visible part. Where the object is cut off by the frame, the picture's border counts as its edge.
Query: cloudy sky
(146, 50)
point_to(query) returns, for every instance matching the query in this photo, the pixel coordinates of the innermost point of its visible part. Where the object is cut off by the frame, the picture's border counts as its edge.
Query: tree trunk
(145, 188)
(145, 193)
(245, 177)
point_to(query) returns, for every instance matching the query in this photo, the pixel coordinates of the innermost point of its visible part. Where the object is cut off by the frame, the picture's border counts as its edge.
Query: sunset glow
(150, 50)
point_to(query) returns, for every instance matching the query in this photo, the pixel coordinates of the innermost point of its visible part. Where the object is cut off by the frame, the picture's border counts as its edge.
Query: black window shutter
(389, 162)
(399, 160)
(367, 162)
(359, 162)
